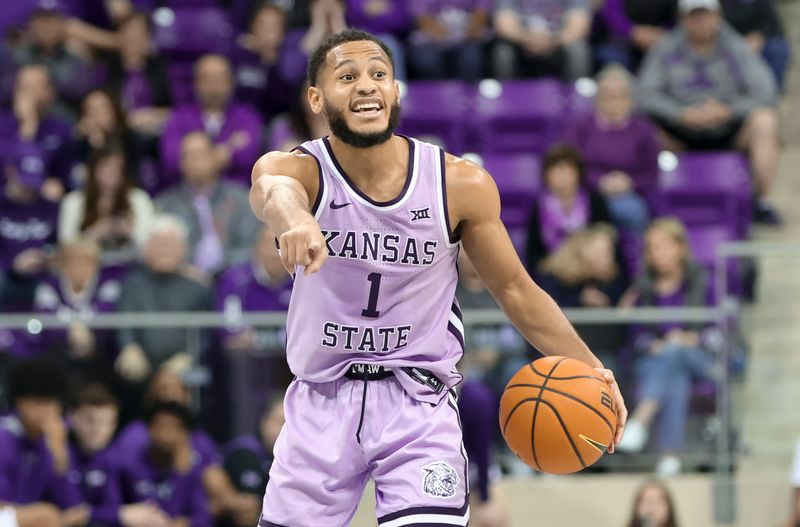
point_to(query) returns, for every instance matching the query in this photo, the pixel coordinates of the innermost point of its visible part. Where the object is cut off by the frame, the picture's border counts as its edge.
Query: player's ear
(397, 90)
(315, 99)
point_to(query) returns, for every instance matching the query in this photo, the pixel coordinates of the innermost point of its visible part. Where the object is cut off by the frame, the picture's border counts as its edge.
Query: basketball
(557, 415)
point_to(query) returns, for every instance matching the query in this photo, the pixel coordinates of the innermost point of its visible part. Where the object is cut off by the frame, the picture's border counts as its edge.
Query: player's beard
(348, 136)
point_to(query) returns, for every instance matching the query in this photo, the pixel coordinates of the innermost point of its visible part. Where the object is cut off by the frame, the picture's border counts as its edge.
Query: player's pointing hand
(303, 245)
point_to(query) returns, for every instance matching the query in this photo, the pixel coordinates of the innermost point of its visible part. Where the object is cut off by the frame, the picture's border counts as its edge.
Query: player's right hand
(303, 245)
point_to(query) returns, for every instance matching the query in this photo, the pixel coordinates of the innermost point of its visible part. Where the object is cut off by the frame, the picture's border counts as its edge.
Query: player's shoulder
(464, 175)
(297, 164)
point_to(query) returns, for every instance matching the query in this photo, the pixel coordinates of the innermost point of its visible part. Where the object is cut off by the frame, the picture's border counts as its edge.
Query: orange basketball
(557, 415)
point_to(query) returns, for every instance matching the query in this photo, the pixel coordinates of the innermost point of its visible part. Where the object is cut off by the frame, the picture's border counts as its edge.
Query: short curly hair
(317, 59)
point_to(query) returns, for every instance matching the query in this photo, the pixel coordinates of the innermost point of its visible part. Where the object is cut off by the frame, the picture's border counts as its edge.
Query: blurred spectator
(671, 355)
(449, 40)
(164, 473)
(758, 22)
(222, 228)
(77, 293)
(94, 466)
(389, 20)
(794, 481)
(35, 120)
(620, 150)
(139, 75)
(630, 28)
(225, 503)
(109, 210)
(297, 126)
(564, 205)
(103, 126)
(161, 284)
(327, 17)
(249, 458)
(585, 272)
(542, 38)
(267, 74)
(477, 407)
(235, 128)
(261, 284)
(27, 228)
(653, 507)
(493, 352)
(708, 91)
(47, 46)
(34, 451)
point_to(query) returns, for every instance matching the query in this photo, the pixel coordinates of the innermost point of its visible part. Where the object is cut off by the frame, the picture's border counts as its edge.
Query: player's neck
(364, 165)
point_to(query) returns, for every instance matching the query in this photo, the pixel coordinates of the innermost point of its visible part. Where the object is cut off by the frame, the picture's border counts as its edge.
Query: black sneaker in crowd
(766, 214)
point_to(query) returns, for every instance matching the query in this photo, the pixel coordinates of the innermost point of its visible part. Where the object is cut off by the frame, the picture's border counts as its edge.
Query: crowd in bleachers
(128, 129)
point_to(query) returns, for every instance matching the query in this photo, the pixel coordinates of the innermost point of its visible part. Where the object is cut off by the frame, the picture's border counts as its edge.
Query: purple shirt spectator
(615, 19)
(631, 147)
(239, 124)
(381, 16)
(27, 474)
(269, 88)
(179, 495)
(98, 481)
(454, 15)
(25, 226)
(54, 137)
(135, 438)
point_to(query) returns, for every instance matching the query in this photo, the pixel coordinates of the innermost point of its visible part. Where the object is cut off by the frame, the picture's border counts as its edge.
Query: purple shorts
(413, 451)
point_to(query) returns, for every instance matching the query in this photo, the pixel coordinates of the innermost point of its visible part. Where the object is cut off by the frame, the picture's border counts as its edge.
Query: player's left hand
(619, 404)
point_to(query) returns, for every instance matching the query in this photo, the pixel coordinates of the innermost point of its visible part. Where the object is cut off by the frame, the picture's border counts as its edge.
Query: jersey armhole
(449, 235)
(316, 207)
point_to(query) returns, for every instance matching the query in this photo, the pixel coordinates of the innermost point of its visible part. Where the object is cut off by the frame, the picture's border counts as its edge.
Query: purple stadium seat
(705, 241)
(708, 188)
(186, 33)
(526, 116)
(517, 176)
(440, 109)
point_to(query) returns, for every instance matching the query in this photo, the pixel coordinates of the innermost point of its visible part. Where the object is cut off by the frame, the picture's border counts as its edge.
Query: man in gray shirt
(542, 38)
(708, 91)
(222, 230)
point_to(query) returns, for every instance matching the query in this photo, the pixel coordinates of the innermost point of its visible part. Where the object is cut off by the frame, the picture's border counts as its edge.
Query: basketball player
(371, 223)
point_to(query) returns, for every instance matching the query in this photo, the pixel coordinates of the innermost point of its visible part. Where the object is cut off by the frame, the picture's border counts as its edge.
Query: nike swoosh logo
(335, 205)
(596, 444)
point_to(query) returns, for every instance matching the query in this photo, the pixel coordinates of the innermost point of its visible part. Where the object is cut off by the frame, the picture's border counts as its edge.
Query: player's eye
(380, 74)
(347, 77)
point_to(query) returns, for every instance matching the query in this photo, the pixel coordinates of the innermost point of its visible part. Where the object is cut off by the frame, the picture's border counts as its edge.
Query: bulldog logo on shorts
(440, 480)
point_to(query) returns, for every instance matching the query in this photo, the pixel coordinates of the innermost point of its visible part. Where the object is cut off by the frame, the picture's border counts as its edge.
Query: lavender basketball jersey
(386, 294)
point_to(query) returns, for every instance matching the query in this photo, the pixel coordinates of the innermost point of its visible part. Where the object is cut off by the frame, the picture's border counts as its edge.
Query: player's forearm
(282, 204)
(542, 322)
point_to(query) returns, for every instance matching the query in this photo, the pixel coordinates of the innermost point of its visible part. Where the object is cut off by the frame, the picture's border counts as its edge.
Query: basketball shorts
(338, 435)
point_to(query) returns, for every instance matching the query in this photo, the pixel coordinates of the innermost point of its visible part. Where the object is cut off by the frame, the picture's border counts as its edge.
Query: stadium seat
(708, 188)
(185, 33)
(522, 116)
(439, 109)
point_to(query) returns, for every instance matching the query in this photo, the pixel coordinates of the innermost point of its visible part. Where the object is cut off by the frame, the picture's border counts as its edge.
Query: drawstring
(363, 404)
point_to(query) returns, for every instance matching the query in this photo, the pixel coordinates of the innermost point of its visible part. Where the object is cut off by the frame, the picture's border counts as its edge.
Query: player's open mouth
(367, 108)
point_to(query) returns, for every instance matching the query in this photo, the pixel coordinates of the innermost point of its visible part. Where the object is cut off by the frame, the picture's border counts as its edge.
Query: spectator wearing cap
(758, 22)
(27, 228)
(109, 210)
(267, 76)
(222, 228)
(449, 39)
(390, 21)
(707, 90)
(620, 149)
(161, 284)
(77, 292)
(165, 474)
(235, 128)
(35, 120)
(71, 74)
(34, 452)
(542, 38)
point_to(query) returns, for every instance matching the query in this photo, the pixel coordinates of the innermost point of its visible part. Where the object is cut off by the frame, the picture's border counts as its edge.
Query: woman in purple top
(139, 76)
(671, 354)
(564, 205)
(450, 38)
(620, 150)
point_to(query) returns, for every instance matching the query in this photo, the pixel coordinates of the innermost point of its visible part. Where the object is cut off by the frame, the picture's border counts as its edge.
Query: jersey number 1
(372, 304)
